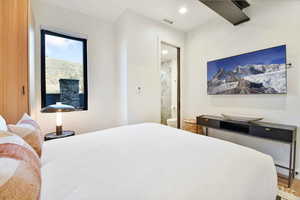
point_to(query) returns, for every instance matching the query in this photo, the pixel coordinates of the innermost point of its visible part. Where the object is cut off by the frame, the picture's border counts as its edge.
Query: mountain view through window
(63, 61)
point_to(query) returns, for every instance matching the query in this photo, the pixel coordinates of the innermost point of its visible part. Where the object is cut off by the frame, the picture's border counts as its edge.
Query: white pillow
(3, 126)
(26, 120)
(24, 117)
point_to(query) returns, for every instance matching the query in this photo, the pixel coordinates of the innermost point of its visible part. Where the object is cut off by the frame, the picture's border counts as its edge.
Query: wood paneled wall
(14, 100)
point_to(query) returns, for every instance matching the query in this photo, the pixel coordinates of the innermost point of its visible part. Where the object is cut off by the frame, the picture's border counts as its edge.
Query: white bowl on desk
(241, 118)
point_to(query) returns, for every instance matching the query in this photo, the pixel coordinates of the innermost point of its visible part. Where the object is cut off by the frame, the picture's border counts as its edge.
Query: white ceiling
(110, 10)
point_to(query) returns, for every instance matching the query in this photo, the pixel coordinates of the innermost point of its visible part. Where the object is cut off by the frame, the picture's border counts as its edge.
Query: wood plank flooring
(295, 188)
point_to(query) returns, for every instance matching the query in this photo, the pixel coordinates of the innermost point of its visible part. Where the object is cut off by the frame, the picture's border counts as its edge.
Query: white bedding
(154, 162)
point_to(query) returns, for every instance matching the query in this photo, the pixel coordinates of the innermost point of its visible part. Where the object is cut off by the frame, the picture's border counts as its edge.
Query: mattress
(154, 162)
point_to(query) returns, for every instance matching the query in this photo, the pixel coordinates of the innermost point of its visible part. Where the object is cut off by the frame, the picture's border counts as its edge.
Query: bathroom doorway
(170, 85)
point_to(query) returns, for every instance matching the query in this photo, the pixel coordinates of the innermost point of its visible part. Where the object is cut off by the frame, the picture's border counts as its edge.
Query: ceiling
(110, 10)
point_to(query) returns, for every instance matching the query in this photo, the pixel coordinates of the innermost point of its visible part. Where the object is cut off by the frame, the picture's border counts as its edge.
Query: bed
(154, 162)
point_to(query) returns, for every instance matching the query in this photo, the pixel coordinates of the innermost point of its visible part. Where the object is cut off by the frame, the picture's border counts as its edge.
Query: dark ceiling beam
(231, 10)
(241, 3)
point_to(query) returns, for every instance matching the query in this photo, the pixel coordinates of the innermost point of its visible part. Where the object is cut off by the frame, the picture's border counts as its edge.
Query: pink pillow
(30, 131)
(20, 176)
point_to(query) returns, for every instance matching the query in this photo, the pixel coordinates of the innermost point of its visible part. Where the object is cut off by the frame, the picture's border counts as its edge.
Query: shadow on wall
(250, 101)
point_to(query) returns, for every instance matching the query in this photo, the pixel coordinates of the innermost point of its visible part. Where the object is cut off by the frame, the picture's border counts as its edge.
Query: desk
(278, 132)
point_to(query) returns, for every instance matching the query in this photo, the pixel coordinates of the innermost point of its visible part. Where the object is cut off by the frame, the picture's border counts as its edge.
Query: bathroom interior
(168, 79)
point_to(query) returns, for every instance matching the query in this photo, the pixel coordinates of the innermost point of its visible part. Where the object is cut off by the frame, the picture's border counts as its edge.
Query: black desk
(278, 132)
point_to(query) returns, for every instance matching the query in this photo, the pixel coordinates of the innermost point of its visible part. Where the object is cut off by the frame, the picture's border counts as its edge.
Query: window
(64, 70)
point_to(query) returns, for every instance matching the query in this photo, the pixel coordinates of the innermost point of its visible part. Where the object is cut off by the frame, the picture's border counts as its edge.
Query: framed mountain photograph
(259, 72)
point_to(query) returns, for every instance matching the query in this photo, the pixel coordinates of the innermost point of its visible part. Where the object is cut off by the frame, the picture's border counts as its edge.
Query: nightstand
(53, 136)
(191, 126)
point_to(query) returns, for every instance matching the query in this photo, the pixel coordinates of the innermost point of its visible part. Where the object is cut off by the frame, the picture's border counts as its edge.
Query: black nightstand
(53, 136)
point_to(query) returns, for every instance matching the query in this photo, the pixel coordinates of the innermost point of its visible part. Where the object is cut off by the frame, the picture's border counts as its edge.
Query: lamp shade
(58, 108)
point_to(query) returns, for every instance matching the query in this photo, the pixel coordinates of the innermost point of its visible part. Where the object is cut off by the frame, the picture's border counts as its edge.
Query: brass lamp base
(59, 130)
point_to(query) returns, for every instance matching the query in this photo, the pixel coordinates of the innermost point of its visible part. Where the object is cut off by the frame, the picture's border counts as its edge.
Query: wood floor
(295, 188)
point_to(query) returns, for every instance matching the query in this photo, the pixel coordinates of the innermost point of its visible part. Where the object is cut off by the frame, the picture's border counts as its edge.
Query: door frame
(178, 78)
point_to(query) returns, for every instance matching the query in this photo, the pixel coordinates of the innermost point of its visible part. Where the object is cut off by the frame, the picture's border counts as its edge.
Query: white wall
(121, 57)
(141, 38)
(101, 69)
(122, 67)
(271, 24)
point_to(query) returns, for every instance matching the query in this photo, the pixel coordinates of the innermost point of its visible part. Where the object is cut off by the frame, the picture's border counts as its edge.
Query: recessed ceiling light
(164, 52)
(182, 10)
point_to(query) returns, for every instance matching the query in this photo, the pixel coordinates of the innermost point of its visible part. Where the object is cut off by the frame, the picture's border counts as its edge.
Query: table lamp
(58, 108)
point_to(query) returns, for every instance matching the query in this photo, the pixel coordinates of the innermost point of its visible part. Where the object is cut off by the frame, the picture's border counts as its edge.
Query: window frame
(43, 66)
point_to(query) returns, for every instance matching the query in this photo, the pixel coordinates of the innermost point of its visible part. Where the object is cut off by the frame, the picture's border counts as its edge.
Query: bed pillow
(20, 176)
(27, 120)
(3, 126)
(30, 131)
(31, 135)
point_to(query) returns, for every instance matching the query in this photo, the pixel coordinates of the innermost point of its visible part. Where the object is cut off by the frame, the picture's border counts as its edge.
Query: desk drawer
(272, 133)
(212, 123)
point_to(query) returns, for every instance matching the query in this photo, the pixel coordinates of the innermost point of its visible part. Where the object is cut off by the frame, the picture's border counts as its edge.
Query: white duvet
(154, 162)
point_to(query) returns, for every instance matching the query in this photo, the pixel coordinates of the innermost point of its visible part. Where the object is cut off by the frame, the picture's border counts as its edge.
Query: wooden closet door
(14, 59)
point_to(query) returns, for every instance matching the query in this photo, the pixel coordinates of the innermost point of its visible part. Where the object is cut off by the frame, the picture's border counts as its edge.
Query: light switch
(139, 90)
